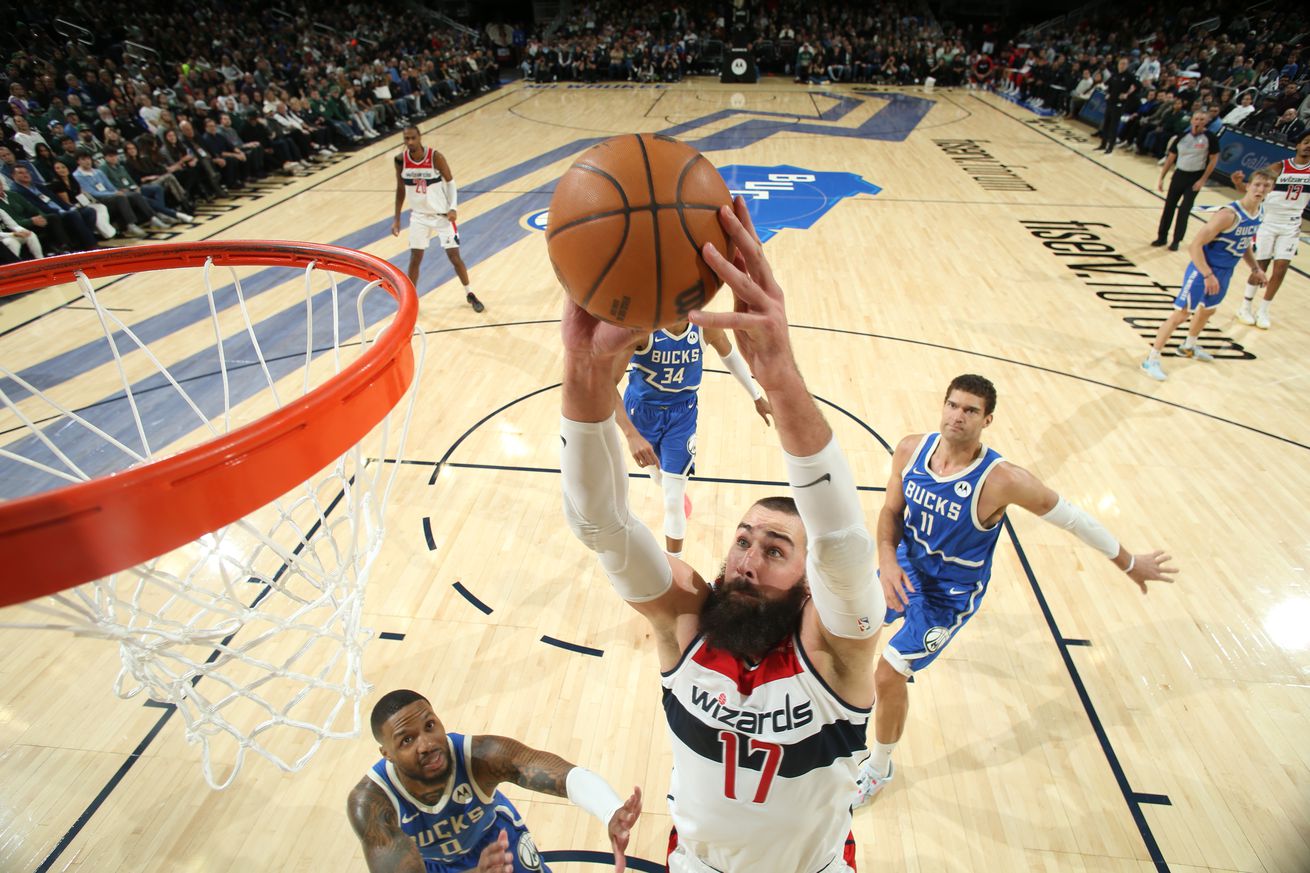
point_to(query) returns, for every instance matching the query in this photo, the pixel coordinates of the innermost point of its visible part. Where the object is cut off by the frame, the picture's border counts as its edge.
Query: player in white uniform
(1280, 231)
(768, 674)
(425, 183)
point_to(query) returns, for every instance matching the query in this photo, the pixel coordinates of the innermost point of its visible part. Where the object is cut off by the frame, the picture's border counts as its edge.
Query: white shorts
(423, 226)
(681, 860)
(1276, 243)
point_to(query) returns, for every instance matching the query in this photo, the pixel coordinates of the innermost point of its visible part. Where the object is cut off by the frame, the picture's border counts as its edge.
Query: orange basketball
(626, 227)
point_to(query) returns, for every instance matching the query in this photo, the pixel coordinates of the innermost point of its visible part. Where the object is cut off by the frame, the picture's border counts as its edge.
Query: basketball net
(253, 630)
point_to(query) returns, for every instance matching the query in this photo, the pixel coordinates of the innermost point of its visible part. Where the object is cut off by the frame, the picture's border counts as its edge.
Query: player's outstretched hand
(621, 828)
(1152, 567)
(495, 858)
(896, 586)
(585, 334)
(758, 320)
(765, 409)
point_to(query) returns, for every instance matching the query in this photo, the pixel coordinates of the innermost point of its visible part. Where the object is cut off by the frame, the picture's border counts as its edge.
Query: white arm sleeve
(736, 365)
(590, 792)
(595, 479)
(452, 194)
(841, 565)
(1083, 526)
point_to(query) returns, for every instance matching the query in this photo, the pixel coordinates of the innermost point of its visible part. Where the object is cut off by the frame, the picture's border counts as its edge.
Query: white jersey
(1284, 205)
(765, 760)
(425, 191)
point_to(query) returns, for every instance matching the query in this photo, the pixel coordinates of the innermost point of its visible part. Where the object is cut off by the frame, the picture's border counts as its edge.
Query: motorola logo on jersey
(784, 718)
(963, 489)
(463, 793)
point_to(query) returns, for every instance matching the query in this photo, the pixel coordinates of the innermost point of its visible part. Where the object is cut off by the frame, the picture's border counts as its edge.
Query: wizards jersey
(1224, 251)
(666, 366)
(424, 190)
(1284, 205)
(943, 537)
(765, 759)
(451, 833)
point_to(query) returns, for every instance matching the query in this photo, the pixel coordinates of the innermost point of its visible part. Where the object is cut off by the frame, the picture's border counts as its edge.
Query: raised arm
(1011, 484)
(840, 553)
(594, 477)
(501, 759)
(387, 849)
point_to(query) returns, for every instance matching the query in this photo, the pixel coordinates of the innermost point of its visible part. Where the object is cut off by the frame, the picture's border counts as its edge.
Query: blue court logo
(778, 197)
(790, 197)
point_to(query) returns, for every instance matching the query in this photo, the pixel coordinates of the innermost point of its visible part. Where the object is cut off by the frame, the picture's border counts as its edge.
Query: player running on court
(660, 407)
(937, 533)
(1280, 232)
(425, 183)
(768, 672)
(1225, 240)
(431, 804)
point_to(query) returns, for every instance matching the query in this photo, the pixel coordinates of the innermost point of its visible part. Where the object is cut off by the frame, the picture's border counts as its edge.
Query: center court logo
(779, 197)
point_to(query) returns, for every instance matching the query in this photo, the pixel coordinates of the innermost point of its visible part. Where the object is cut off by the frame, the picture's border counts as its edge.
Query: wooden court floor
(1074, 725)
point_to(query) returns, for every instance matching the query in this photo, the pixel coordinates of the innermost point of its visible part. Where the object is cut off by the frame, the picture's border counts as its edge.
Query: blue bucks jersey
(668, 365)
(1225, 250)
(943, 537)
(447, 832)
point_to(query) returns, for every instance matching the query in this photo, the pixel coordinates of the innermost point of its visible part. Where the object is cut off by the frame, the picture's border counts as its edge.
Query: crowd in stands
(111, 130)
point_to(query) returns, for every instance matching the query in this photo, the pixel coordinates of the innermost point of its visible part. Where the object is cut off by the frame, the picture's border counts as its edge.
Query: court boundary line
(1196, 213)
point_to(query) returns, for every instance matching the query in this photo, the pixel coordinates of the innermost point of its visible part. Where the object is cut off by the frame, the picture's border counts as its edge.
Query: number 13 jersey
(765, 760)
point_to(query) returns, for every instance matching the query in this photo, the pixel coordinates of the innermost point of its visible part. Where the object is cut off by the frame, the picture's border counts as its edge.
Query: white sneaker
(184, 218)
(1262, 320)
(1154, 370)
(156, 223)
(134, 231)
(1196, 353)
(868, 784)
(1244, 314)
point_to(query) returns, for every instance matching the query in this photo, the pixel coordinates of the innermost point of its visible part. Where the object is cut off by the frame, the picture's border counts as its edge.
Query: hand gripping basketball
(759, 319)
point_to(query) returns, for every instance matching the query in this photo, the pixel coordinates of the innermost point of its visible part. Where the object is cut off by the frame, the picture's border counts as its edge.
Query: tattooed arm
(500, 759)
(386, 848)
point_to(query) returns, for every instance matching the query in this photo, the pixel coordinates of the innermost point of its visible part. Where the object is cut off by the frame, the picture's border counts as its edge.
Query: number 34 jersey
(667, 365)
(765, 760)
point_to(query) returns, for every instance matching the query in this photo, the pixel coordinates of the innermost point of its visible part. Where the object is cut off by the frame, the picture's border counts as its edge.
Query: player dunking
(424, 181)
(1280, 231)
(767, 673)
(659, 409)
(431, 804)
(1225, 240)
(937, 533)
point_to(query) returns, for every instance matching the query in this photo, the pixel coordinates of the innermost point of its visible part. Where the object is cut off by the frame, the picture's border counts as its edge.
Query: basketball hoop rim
(78, 533)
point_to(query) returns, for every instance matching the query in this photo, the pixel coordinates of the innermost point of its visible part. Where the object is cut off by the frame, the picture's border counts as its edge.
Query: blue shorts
(521, 846)
(671, 432)
(1192, 296)
(935, 613)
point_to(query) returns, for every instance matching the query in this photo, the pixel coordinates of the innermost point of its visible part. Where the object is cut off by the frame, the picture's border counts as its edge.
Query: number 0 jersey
(765, 760)
(449, 831)
(666, 366)
(943, 538)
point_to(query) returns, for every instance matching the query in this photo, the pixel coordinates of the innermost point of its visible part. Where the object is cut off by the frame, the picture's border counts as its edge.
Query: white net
(252, 631)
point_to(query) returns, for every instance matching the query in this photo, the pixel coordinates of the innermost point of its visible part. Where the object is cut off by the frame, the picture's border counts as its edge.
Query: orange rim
(61, 538)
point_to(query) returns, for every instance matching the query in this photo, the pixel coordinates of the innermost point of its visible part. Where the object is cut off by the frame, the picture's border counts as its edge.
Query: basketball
(626, 226)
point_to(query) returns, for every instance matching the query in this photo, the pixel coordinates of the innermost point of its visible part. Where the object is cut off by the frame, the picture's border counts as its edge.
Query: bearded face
(747, 620)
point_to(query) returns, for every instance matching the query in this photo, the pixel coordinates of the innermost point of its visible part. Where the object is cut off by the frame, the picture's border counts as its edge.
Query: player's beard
(738, 619)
